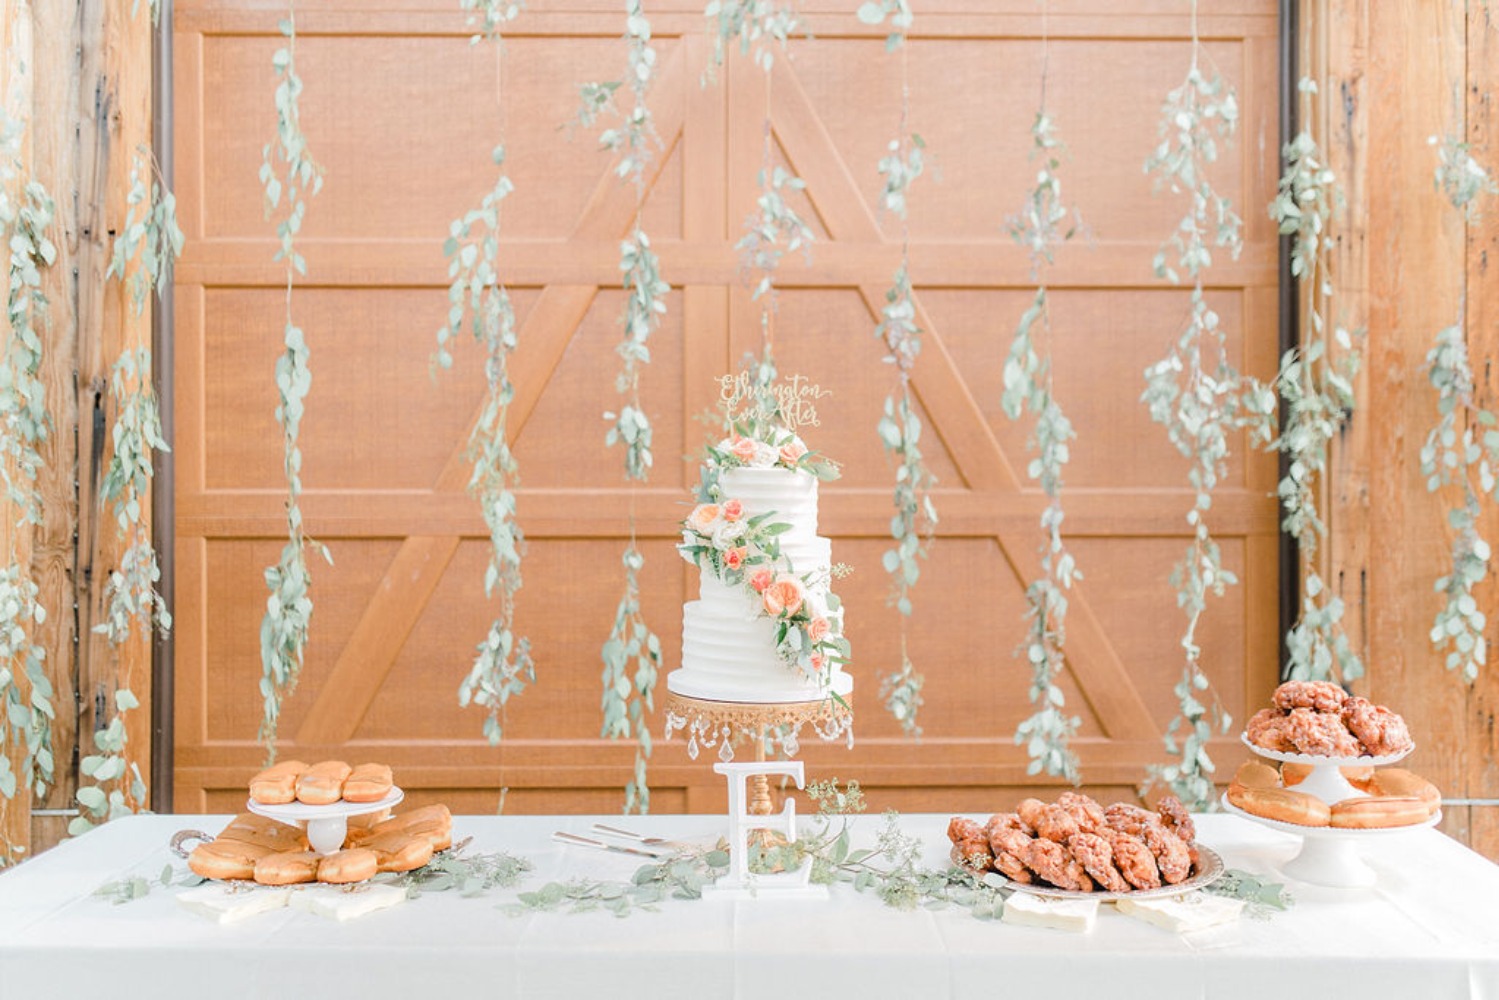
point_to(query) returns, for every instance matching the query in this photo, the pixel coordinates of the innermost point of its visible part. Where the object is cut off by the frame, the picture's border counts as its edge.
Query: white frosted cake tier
(792, 495)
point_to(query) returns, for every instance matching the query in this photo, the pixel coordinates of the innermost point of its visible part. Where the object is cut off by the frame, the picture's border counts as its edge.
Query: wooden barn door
(403, 113)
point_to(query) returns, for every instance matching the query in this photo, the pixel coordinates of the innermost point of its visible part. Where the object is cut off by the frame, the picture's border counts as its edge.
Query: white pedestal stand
(326, 825)
(1329, 855)
(744, 825)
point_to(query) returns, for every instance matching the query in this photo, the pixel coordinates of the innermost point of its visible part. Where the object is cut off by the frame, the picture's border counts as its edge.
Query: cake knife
(640, 840)
(563, 837)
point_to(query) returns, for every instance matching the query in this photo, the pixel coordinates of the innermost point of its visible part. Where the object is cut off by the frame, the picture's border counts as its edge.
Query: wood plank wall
(1396, 73)
(87, 101)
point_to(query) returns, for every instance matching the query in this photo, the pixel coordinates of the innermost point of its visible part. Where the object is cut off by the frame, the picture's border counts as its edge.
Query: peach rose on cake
(818, 629)
(732, 510)
(703, 517)
(784, 596)
(793, 450)
(760, 579)
(734, 558)
(741, 448)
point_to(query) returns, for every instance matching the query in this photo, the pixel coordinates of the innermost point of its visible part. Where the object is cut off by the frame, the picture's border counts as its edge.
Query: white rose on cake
(726, 534)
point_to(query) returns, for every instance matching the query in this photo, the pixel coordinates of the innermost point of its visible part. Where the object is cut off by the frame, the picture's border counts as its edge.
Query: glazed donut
(1083, 809)
(1254, 774)
(1281, 804)
(1267, 728)
(248, 828)
(1133, 859)
(1029, 811)
(1319, 734)
(959, 828)
(368, 783)
(399, 852)
(1056, 824)
(1176, 818)
(1397, 782)
(226, 859)
(1380, 730)
(1320, 696)
(1097, 859)
(1171, 854)
(1007, 821)
(1054, 863)
(277, 785)
(322, 784)
(353, 865)
(1376, 813)
(1128, 818)
(287, 868)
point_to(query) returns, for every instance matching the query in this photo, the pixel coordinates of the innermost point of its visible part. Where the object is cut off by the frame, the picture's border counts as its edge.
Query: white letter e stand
(740, 882)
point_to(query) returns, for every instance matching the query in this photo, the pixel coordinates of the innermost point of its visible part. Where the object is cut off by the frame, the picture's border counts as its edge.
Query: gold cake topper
(793, 401)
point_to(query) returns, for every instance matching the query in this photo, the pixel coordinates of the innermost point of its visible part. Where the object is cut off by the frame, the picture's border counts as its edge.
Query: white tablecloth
(1429, 929)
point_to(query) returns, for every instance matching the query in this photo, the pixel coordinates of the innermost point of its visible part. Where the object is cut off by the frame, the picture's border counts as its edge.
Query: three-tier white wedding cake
(766, 627)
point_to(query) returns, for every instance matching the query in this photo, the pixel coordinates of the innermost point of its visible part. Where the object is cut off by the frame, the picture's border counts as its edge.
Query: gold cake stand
(726, 723)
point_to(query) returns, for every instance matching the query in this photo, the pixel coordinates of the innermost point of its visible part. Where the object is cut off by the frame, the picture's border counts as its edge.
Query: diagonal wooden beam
(413, 574)
(1100, 673)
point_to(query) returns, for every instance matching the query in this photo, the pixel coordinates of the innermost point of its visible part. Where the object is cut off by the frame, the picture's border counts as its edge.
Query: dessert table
(1428, 929)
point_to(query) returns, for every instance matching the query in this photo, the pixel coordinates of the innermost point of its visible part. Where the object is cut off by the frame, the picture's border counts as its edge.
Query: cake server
(659, 844)
(562, 837)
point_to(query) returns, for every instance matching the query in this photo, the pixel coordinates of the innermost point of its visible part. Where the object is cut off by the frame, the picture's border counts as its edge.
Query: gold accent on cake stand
(725, 723)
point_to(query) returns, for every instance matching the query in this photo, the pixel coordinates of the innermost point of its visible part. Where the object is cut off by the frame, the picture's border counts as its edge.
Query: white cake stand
(326, 825)
(1326, 781)
(1329, 854)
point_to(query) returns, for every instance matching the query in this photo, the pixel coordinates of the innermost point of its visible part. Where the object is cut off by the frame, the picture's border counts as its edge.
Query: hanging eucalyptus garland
(1196, 398)
(283, 631)
(26, 709)
(899, 427)
(1043, 224)
(1315, 385)
(759, 26)
(503, 665)
(144, 252)
(631, 643)
(1464, 443)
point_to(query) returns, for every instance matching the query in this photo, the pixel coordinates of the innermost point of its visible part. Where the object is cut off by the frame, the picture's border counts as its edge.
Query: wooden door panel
(403, 112)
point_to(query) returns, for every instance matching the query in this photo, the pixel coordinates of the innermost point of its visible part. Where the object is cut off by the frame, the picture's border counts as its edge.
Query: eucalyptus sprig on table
(1198, 400)
(26, 693)
(134, 887)
(1463, 444)
(899, 427)
(680, 877)
(469, 874)
(288, 169)
(1044, 223)
(1315, 387)
(503, 665)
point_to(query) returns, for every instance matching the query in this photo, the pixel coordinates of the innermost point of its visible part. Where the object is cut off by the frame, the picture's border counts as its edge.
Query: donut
(322, 784)
(1127, 818)
(1267, 728)
(1097, 859)
(287, 868)
(1030, 811)
(398, 851)
(959, 828)
(1056, 824)
(1281, 804)
(1321, 735)
(1133, 859)
(1380, 730)
(1384, 811)
(248, 828)
(1171, 854)
(1396, 782)
(353, 865)
(1007, 842)
(1007, 821)
(1319, 696)
(368, 783)
(1083, 809)
(1055, 864)
(1174, 814)
(226, 859)
(277, 784)
(1254, 774)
